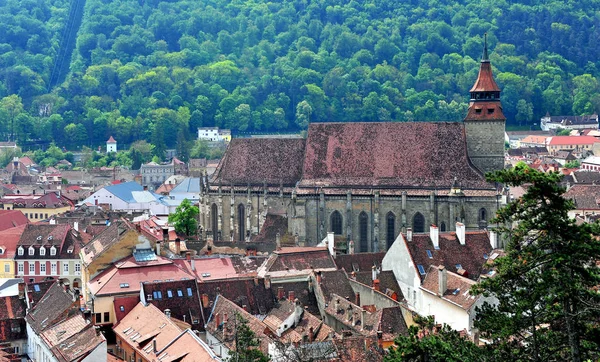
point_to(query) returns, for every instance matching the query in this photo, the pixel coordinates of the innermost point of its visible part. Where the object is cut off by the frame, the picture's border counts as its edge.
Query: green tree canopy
(185, 218)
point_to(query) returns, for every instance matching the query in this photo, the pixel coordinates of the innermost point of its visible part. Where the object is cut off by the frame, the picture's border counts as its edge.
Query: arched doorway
(363, 231)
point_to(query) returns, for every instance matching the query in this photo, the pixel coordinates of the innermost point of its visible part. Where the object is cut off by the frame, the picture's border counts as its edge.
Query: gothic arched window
(214, 218)
(363, 231)
(482, 218)
(443, 227)
(336, 222)
(241, 214)
(419, 223)
(391, 229)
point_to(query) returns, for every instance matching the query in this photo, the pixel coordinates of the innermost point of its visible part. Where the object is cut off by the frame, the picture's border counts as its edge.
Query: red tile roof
(258, 160)
(11, 218)
(126, 303)
(485, 111)
(457, 290)
(9, 240)
(572, 140)
(12, 318)
(485, 79)
(436, 157)
(111, 140)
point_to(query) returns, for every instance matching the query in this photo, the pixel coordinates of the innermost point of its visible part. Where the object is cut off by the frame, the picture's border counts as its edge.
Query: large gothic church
(365, 182)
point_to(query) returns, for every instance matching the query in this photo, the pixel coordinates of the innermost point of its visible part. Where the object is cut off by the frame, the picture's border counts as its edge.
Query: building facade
(365, 182)
(214, 134)
(154, 174)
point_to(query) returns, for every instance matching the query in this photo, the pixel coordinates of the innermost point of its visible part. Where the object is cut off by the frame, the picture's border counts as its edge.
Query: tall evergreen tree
(246, 344)
(546, 285)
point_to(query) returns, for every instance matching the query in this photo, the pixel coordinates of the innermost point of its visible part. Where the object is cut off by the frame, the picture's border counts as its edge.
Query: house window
(20, 250)
(336, 222)
(189, 292)
(391, 229)
(421, 269)
(53, 251)
(429, 255)
(20, 268)
(43, 268)
(157, 294)
(77, 268)
(419, 223)
(443, 227)
(31, 268)
(42, 251)
(1, 251)
(7, 268)
(179, 293)
(98, 317)
(66, 268)
(31, 250)
(106, 317)
(458, 266)
(169, 293)
(53, 268)
(363, 231)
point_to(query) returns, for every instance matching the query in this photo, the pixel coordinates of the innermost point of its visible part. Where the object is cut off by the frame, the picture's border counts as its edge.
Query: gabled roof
(66, 240)
(335, 283)
(125, 190)
(359, 262)
(586, 177)
(437, 155)
(189, 184)
(179, 296)
(256, 161)
(249, 292)
(297, 259)
(54, 306)
(585, 197)
(83, 340)
(572, 140)
(457, 291)
(12, 318)
(297, 331)
(9, 240)
(451, 253)
(11, 218)
(102, 242)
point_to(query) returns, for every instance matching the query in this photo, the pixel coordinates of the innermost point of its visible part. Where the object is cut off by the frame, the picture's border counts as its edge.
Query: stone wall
(485, 144)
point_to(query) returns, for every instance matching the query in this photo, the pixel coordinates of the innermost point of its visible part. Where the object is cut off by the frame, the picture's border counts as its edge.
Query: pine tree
(246, 344)
(546, 285)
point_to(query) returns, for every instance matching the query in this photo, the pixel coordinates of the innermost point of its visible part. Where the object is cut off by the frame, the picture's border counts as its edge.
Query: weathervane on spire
(485, 50)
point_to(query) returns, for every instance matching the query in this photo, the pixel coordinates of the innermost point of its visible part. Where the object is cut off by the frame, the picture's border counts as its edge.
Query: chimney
(178, 246)
(442, 280)
(280, 293)
(267, 282)
(218, 319)
(351, 247)
(331, 243)
(154, 346)
(205, 300)
(376, 284)
(353, 275)
(311, 334)
(357, 299)
(165, 234)
(434, 234)
(310, 285)
(245, 307)
(138, 227)
(193, 264)
(475, 333)
(409, 234)
(291, 295)
(168, 313)
(460, 232)
(188, 255)
(374, 273)
(76, 226)
(209, 248)
(380, 339)
(158, 247)
(363, 318)
(278, 241)
(145, 187)
(337, 305)
(494, 239)
(319, 277)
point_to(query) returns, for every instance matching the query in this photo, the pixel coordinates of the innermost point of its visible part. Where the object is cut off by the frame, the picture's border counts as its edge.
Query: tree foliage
(246, 348)
(185, 218)
(546, 286)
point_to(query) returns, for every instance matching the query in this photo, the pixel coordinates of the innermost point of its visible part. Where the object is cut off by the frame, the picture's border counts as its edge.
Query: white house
(412, 256)
(131, 196)
(214, 134)
(591, 163)
(111, 145)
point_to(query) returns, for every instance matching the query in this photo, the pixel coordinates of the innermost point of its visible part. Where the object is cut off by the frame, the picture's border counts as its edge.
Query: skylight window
(169, 293)
(458, 266)
(429, 254)
(179, 293)
(189, 291)
(124, 285)
(36, 288)
(485, 256)
(456, 291)
(421, 269)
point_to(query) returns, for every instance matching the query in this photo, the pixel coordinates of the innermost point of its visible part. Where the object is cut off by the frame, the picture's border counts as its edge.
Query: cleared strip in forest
(67, 44)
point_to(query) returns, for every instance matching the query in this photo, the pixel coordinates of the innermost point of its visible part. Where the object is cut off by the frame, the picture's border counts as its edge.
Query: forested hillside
(157, 70)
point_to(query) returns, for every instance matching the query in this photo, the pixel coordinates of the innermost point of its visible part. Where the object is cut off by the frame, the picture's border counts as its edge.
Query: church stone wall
(485, 144)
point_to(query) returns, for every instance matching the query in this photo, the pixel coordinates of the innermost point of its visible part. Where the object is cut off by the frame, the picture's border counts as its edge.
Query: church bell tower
(484, 123)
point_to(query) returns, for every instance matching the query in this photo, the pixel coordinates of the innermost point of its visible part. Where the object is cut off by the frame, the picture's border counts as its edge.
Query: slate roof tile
(585, 197)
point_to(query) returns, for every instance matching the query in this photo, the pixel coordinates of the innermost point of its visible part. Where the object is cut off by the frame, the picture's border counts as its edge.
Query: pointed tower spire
(485, 57)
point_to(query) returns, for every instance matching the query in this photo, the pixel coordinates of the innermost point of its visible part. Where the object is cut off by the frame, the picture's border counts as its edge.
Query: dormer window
(31, 250)
(1, 251)
(53, 251)
(20, 250)
(42, 251)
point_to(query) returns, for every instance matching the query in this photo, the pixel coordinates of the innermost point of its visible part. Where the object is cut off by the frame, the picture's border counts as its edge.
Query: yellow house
(8, 246)
(36, 207)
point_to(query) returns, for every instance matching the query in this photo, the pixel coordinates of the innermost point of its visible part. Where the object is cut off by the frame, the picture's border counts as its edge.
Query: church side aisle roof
(399, 154)
(256, 161)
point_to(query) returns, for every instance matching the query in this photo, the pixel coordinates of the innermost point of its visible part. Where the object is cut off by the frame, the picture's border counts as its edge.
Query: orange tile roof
(573, 140)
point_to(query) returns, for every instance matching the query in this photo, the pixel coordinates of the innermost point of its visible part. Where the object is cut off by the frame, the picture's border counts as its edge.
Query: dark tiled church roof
(258, 160)
(410, 154)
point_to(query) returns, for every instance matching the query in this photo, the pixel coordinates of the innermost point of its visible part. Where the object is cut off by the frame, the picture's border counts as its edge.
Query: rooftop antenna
(485, 57)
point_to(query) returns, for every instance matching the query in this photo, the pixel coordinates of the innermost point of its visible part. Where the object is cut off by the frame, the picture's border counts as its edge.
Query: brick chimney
(267, 282)
(205, 300)
(280, 293)
(291, 295)
(218, 319)
(442, 280)
(376, 284)
(319, 277)
(178, 246)
(434, 234)
(357, 299)
(165, 234)
(311, 334)
(188, 255)
(460, 232)
(409, 234)
(278, 241)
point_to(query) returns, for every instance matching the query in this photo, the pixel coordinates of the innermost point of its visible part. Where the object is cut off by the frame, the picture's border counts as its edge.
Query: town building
(50, 252)
(350, 178)
(132, 197)
(37, 207)
(13, 330)
(515, 138)
(573, 143)
(549, 122)
(534, 141)
(591, 163)
(9, 239)
(154, 174)
(586, 201)
(111, 145)
(214, 134)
